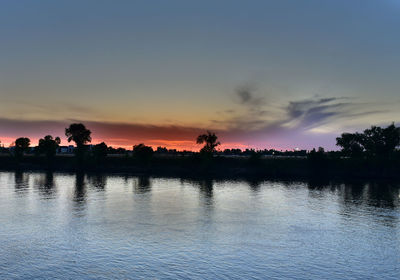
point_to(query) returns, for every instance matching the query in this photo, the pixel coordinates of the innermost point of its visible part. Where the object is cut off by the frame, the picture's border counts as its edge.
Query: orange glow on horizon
(179, 145)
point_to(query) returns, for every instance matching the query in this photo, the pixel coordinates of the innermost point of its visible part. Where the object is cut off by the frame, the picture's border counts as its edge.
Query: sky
(261, 74)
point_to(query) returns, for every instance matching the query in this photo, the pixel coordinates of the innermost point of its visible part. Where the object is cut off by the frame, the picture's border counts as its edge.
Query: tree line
(382, 142)
(371, 143)
(81, 136)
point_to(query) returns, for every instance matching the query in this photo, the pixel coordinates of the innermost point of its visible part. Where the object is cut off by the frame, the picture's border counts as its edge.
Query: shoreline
(217, 167)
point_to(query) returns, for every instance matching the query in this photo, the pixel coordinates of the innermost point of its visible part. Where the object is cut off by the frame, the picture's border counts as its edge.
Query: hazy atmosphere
(261, 75)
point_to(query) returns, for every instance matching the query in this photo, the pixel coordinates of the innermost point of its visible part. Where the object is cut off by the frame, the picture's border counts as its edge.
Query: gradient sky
(263, 74)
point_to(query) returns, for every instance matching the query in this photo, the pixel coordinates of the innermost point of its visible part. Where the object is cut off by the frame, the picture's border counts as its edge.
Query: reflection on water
(21, 181)
(206, 194)
(98, 181)
(45, 185)
(206, 188)
(79, 195)
(142, 184)
(374, 194)
(80, 188)
(97, 226)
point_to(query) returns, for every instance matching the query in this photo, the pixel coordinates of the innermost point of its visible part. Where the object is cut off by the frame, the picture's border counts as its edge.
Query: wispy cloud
(250, 111)
(297, 121)
(313, 112)
(246, 96)
(302, 114)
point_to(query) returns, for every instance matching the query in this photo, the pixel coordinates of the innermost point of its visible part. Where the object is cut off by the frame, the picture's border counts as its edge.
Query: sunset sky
(261, 74)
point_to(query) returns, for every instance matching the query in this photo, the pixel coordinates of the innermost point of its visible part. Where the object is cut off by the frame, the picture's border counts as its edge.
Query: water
(68, 226)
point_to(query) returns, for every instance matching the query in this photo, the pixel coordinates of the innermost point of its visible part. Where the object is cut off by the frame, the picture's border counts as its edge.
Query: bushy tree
(48, 146)
(21, 146)
(100, 151)
(373, 142)
(142, 152)
(210, 142)
(78, 133)
(351, 144)
(380, 141)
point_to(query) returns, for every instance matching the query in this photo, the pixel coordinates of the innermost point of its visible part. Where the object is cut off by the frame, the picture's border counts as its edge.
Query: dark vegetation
(78, 133)
(376, 142)
(21, 145)
(48, 146)
(142, 153)
(210, 142)
(373, 153)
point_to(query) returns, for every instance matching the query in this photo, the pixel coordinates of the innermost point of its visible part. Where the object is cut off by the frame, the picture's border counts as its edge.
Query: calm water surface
(117, 227)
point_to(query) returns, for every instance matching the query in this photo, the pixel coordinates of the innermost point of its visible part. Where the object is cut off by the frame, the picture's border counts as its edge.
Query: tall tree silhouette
(78, 133)
(48, 146)
(210, 142)
(21, 146)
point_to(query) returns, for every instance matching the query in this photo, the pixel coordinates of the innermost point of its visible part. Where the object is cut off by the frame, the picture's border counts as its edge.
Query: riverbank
(216, 167)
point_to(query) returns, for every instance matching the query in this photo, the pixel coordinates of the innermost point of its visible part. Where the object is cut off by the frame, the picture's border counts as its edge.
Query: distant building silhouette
(66, 149)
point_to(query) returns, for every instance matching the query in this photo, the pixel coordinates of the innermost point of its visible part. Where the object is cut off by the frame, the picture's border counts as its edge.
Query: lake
(76, 226)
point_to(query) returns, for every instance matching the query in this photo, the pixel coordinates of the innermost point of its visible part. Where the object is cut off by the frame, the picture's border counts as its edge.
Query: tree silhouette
(100, 151)
(210, 142)
(143, 152)
(21, 145)
(351, 144)
(316, 155)
(48, 146)
(78, 133)
(373, 142)
(381, 141)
